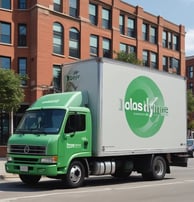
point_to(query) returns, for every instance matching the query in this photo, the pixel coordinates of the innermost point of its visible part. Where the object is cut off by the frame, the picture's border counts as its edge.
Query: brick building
(190, 72)
(37, 36)
(190, 85)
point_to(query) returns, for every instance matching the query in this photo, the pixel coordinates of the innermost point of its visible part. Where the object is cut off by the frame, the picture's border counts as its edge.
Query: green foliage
(190, 101)
(190, 109)
(128, 57)
(11, 93)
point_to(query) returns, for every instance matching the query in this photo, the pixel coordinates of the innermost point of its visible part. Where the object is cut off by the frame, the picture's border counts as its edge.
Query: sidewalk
(3, 174)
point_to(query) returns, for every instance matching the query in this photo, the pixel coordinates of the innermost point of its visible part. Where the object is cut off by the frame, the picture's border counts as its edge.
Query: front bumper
(33, 169)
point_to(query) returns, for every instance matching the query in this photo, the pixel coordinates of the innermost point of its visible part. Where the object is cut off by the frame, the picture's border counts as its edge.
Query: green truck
(113, 118)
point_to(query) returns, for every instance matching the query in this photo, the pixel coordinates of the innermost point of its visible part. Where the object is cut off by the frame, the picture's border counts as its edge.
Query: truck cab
(49, 136)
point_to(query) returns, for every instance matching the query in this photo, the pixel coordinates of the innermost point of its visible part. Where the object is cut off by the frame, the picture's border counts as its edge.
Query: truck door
(77, 135)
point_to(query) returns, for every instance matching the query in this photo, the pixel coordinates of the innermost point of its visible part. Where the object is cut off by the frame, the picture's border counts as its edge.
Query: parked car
(190, 147)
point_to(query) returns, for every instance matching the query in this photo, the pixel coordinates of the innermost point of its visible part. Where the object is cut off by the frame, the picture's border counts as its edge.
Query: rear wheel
(75, 175)
(158, 169)
(30, 179)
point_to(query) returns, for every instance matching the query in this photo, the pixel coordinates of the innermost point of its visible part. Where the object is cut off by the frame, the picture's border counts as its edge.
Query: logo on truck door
(144, 107)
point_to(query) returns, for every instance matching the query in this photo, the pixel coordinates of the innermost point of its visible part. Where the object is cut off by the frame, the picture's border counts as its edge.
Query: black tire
(158, 169)
(30, 179)
(75, 175)
(124, 169)
(121, 174)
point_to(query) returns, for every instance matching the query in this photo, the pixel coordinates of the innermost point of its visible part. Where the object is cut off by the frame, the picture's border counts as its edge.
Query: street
(177, 186)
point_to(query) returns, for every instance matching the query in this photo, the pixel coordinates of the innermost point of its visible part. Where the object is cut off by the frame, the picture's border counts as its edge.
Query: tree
(128, 57)
(190, 109)
(11, 93)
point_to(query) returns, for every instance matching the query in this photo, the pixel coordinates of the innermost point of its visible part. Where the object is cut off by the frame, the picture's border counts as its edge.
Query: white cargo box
(135, 110)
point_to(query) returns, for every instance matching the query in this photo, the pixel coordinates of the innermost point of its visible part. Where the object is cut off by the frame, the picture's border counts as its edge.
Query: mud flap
(179, 160)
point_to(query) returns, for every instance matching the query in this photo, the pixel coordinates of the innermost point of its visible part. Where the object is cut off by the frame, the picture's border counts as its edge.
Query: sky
(179, 12)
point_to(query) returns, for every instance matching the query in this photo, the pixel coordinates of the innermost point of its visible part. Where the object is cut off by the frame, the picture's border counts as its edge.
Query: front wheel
(158, 169)
(30, 179)
(75, 175)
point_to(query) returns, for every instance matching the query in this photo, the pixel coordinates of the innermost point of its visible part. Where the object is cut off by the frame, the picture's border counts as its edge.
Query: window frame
(74, 43)
(57, 5)
(94, 46)
(106, 52)
(57, 80)
(58, 36)
(93, 17)
(3, 4)
(73, 8)
(8, 61)
(22, 37)
(22, 4)
(7, 37)
(106, 18)
(131, 27)
(21, 71)
(122, 24)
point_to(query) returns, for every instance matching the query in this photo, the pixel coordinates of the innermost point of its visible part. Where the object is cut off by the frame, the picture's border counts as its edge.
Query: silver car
(190, 147)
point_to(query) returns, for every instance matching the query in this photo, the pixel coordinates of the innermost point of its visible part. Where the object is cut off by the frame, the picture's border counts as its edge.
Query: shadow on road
(47, 184)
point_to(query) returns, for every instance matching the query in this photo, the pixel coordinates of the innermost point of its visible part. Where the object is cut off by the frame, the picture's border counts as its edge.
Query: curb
(3, 174)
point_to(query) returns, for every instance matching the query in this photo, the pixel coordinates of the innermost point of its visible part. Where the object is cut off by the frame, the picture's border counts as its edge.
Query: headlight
(50, 159)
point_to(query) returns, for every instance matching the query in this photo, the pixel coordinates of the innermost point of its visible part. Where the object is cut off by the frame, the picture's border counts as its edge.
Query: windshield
(45, 121)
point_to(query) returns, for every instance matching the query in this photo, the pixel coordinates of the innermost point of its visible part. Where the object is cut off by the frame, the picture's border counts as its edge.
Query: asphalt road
(176, 187)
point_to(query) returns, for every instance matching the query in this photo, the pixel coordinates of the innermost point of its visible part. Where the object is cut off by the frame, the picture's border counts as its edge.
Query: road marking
(87, 190)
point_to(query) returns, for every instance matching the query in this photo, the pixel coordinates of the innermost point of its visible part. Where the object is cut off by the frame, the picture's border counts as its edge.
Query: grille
(28, 149)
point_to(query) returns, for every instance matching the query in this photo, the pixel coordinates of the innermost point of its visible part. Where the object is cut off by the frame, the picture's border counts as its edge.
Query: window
(149, 33)
(22, 69)
(57, 78)
(73, 8)
(170, 40)
(57, 5)
(164, 39)
(145, 58)
(175, 42)
(6, 4)
(5, 32)
(122, 24)
(74, 49)
(175, 65)
(131, 27)
(154, 60)
(171, 65)
(22, 4)
(94, 45)
(127, 48)
(5, 62)
(75, 122)
(190, 72)
(153, 35)
(165, 63)
(58, 44)
(145, 32)
(150, 59)
(191, 86)
(106, 48)
(93, 14)
(22, 35)
(106, 18)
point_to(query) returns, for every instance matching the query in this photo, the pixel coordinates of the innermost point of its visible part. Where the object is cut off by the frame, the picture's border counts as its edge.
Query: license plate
(24, 168)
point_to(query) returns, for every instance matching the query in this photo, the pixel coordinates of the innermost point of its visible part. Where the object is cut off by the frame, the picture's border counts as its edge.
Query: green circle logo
(144, 107)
